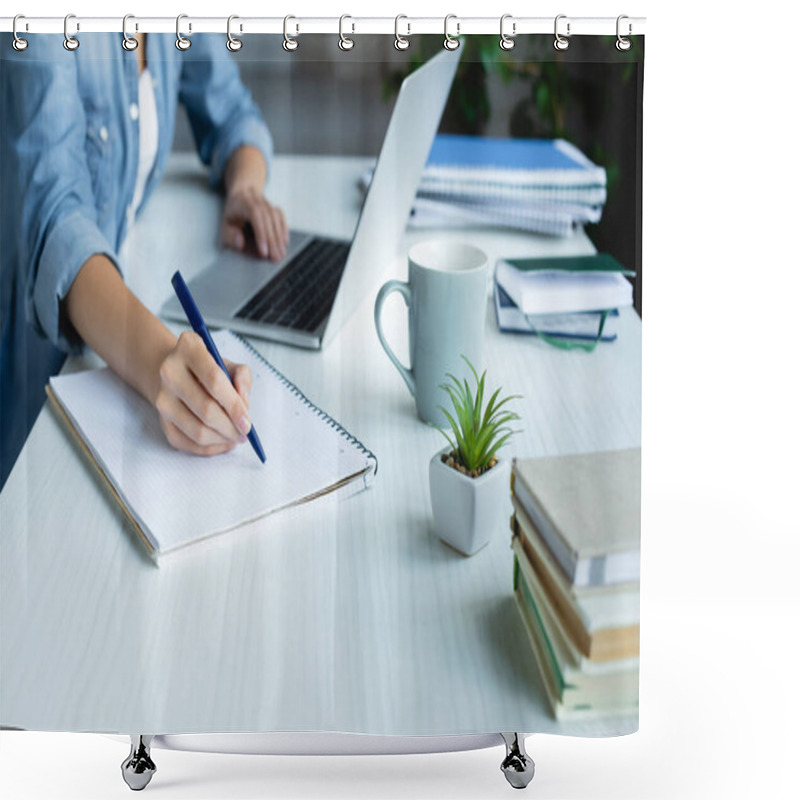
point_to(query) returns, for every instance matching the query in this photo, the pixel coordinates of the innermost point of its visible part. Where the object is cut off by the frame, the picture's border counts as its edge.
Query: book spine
(565, 557)
(570, 618)
(511, 320)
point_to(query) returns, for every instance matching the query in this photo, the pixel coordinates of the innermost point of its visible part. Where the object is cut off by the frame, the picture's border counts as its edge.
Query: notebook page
(178, 498)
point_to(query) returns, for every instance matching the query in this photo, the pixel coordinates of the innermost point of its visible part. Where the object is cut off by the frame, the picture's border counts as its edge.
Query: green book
(565, 285)
(571, 692)
(598, 262)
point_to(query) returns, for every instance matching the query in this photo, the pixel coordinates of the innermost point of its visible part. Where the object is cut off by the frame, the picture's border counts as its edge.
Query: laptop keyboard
(301, 295)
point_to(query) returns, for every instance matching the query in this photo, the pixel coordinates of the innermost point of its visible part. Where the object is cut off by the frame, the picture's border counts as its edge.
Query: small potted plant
(468, 481)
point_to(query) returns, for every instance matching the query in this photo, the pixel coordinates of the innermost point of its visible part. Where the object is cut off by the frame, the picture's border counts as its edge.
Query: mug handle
(383, 293)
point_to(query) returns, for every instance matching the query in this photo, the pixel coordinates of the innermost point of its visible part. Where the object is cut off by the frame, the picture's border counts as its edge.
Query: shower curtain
(346, 612)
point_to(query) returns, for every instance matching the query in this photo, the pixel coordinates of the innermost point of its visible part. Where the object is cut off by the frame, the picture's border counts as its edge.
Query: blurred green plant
(556, 92)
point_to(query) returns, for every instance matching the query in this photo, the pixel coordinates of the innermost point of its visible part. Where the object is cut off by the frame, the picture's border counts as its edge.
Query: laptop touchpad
(223, 288)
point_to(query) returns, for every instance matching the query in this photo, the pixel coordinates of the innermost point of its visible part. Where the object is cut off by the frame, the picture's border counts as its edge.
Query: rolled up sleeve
(59, 217)
(68, 246)
(221, 111)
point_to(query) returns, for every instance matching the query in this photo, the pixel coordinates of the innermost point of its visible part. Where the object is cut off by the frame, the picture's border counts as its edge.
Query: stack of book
(545, 186)
(576, 578)
(562, 298)
(541, 185)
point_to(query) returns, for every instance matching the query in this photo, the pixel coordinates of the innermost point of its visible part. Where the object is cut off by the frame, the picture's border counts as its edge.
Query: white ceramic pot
(467, 511)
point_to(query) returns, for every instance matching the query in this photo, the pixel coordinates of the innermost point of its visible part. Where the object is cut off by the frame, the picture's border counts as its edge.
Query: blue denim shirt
(69, 149)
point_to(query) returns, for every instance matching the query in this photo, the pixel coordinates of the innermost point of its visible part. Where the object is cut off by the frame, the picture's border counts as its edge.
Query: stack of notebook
(541, 185)
(544, 186)
(562, 298)
(576, 578)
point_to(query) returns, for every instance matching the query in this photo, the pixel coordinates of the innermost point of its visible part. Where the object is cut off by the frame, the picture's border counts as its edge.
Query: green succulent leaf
(477, 433)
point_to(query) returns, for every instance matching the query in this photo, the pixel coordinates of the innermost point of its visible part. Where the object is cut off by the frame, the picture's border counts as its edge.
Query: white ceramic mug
(446, 299)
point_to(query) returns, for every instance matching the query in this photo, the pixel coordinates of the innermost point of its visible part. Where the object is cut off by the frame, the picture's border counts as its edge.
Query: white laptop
(306, 297)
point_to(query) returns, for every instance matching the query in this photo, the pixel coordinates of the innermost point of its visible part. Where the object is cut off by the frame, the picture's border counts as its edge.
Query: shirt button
(104, 134)
(134, 112)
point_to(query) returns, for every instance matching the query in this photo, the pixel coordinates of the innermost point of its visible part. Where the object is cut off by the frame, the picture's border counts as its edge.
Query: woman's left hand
(247, 213)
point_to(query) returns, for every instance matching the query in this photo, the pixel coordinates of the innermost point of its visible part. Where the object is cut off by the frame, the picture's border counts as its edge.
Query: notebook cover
(64, 417)
(592, 500)
(483, 152)
(599, 262)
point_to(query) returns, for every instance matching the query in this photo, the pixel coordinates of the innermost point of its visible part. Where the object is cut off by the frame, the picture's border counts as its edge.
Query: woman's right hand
(199, 410)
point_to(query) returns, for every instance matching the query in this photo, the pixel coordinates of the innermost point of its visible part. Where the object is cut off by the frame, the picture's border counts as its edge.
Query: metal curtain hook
(18, 43)
(344, 42)
(181, 42)
(561, 42)
(450, 43)
(289, 42)
(233, 44)
(507, 42)
(70, 42)
(129, 43)
(401, 42)
(623, 43)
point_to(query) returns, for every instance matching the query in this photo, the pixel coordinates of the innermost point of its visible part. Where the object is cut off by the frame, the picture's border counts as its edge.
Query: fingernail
(244, 425)
(263, 249)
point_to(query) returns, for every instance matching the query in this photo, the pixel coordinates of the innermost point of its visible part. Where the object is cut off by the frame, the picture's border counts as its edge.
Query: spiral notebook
(174, 499)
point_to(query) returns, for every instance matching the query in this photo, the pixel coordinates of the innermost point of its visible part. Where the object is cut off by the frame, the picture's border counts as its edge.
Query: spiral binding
(326, 418)
(290, 43)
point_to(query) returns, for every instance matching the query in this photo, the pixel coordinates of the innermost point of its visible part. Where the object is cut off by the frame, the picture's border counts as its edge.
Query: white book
(429, 213)
(173, 498)
(563, 291)
(475, 188)
(583, 325)
(587, 509)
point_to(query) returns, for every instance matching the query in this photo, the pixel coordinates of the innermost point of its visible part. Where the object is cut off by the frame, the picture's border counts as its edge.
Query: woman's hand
(199, 410)
(248, 212)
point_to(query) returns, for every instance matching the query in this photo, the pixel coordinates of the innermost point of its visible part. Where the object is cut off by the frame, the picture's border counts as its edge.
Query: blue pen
(199, 327)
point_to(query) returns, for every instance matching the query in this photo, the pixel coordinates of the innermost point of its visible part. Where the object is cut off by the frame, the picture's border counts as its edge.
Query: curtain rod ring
(561, 42)
(70, 42)
(18, 43)
(623, 43)
(401, 42)
(345, 43)
(290, 43)
(450, 42)
(181, 42)
(507, 42)
(233, 44)
(129, 43)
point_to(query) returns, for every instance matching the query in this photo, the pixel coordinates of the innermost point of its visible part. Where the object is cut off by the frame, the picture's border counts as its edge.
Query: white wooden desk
(344, 616)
